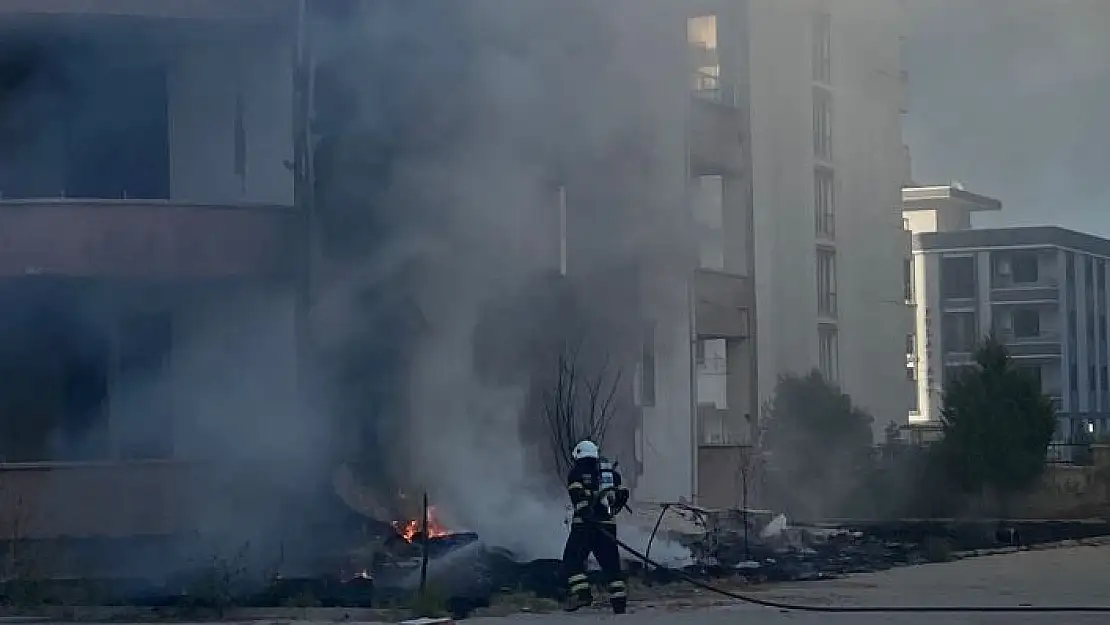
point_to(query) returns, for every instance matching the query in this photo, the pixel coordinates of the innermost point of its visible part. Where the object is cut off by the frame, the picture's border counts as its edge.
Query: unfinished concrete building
(145, 194)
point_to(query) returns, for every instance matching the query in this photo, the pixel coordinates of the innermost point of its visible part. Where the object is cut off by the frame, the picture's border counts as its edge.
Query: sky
(1012, 98)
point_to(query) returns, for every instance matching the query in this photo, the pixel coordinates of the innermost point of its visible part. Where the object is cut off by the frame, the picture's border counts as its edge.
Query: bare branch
(577, 405)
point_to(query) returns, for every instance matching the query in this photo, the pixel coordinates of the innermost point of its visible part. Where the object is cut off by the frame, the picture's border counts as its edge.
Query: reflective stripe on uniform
(577, 520)
(581, 505)
(574, 485)
(617, 589)
(578, 583)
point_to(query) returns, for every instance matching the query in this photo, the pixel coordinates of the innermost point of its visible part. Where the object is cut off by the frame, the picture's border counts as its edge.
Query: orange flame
(411, 528)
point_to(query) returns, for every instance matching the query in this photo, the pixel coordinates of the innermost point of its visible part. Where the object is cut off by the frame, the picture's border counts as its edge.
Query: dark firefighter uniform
(597, 494)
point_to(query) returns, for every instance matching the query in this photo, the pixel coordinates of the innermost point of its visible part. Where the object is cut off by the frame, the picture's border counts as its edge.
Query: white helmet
(585, 449)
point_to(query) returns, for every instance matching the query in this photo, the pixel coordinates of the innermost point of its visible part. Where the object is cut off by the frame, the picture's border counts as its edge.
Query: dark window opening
(959, 332)
(1034, 373)
(96, 126)
(1025, 268)
(647, 367)
(1027, 323)
(146, 403)
(907, 279)
(958, 277)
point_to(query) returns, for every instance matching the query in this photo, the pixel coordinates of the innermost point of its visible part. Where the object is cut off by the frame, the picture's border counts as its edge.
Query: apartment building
(810, 215)
(146, 199)
(1041, 290)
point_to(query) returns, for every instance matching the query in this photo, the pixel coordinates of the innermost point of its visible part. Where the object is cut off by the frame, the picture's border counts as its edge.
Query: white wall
(868, 159)
(927, 328)
(215, 65)
(871, 246)
(782, 179)
(666, 440)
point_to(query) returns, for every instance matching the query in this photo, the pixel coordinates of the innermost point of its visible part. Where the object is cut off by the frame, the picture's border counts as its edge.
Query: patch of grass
(517, 602)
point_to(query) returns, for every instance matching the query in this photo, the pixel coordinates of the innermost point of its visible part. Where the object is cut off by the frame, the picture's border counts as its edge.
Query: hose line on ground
(781, 605)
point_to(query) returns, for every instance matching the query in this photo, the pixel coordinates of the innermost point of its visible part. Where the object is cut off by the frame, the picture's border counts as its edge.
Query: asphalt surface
(1065, 576)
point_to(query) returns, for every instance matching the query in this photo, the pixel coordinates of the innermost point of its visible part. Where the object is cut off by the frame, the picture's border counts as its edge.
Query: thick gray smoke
(511, 100)
(464, 120)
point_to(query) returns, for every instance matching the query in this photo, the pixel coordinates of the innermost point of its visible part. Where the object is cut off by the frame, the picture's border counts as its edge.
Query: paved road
(1073, 576)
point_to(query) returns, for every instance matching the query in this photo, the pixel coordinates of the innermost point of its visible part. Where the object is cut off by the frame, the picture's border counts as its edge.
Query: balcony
(722, 305)
(1012, 293)
(721, 427)
(143, 239)
(1044, 336)
(717, 129)
(249, 10)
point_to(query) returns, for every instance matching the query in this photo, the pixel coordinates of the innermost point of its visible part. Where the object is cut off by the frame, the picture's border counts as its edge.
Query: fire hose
(797, 607)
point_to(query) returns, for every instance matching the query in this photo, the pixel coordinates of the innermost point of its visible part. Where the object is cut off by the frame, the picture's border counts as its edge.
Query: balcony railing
(1044, 336)
(712, 88)
(1007, 282)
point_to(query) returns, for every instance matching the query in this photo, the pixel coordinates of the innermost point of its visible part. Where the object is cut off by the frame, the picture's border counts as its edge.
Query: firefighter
(597, 494)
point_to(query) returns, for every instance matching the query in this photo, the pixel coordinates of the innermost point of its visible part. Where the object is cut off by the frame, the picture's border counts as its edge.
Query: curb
(429, 621)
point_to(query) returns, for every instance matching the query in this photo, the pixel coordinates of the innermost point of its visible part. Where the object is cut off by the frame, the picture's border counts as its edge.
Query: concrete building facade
(1040, 290)
(810, 215)
(146, 205)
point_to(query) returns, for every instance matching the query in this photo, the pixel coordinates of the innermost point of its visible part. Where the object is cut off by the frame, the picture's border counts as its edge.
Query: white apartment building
(811, 213)
(1041, 290)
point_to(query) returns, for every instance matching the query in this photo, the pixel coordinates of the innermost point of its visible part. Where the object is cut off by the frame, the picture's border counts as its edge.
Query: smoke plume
(488, 107)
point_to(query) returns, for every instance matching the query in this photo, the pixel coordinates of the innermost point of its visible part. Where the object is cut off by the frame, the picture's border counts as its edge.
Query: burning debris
(411, 530)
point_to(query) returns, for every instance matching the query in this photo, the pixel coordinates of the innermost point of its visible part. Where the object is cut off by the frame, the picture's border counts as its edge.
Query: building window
(1102, 276)
(957, 276)
(239, 135)
(1103, 378)
(953, 372)
(822, 47)
(1073, 380)
(1026, 323)
(959, 332)
(828, 352)
(1069, 278)
(822, 124)
(1024, 268)
(701, 33)
(824, 202)
(562, 242)
(826, 283)
(699, 353)
(144, 343)
(911, 345)
(1089, 274)
(907, 279)
(1034, 373)
(647, 367)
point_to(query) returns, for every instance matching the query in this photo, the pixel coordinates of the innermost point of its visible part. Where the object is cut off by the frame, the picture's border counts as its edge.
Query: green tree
(997, 427)
(819, 446)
